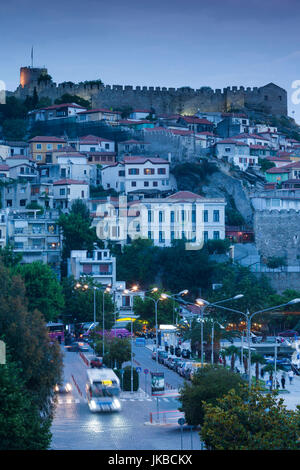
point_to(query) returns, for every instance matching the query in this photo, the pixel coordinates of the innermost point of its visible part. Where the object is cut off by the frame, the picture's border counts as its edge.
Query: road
(75, 427)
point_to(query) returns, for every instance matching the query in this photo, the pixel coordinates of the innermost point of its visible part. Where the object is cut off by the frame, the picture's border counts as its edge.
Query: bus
(56, 331)
(103, 390)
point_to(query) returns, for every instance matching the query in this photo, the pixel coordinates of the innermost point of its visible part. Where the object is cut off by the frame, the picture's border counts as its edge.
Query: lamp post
(203, 304)
(249, 317)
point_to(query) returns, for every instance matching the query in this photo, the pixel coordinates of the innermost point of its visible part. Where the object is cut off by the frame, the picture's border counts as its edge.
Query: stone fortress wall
(270, 98)
(277, 233)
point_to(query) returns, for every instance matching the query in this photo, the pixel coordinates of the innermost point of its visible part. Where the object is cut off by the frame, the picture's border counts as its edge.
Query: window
(161, 171)
(149, 171)
(122, 173)
(161, 216)
(205, 237)
(49, 146)
(194, 215)
(172, 217)
(227, 149)
(22, 170)
(216, 217)
(92, 149)
(107, 146)
(161, 237)
(150, 234)
(133, 171)
(146, 183)
(155, 183)
(216, 235)
(63, 172)
(38, 146)
(133, 183)
(205, 216)
(59, 146)
(38, 157)
(150, 216)
(23, 202)
(62, 191)
(82, 194)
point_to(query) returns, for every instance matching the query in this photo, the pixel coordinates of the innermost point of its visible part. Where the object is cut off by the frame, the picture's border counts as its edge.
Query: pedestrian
(283, 381)
(291, 376)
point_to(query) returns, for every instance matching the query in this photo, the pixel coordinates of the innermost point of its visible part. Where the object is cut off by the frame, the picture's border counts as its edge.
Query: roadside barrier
(85, 360)
(77, 386)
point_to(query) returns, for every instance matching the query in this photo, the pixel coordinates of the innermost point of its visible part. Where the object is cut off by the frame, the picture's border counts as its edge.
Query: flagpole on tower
(32, 57)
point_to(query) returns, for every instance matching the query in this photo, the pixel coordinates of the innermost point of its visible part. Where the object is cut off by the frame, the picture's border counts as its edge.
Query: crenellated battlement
(269, 98)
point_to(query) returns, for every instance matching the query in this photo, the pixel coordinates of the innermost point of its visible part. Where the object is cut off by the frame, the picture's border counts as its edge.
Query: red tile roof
(91, 139)
(63, 105)
(196, 120)
(184, 195)
(248, 136)
(100, 110)
(232, 141)
(141, 159)
(45, 138)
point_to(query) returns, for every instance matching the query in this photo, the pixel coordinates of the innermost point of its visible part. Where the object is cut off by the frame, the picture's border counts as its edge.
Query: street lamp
(162, 297)
(203, 303)
(249, 317)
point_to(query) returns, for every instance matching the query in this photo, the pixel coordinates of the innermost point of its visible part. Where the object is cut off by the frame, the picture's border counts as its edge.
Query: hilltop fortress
(270, 98)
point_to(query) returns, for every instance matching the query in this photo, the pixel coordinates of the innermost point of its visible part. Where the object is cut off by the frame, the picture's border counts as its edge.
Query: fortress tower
(30, 75)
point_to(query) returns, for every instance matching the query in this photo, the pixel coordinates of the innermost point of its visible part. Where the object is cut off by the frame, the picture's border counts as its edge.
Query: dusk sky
(158, 43)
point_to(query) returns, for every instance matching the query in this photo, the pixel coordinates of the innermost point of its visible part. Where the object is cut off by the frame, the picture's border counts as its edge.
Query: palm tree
(232, 351)
(257, 359)
(223, 355)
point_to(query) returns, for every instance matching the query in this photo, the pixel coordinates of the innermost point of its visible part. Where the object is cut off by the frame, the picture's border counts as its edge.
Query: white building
(100, 265)
(138, 175)
(236, 152)
(36, 236)
(184, 215)
(66, 190)
(56, 111)
(92, 143)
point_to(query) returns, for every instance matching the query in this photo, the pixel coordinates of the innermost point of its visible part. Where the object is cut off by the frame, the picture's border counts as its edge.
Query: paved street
(75, 427)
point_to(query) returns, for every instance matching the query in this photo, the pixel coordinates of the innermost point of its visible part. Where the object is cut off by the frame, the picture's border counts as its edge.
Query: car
(174, 363)
(185, 353)
(170, 361)
(179, 365)
(64, 387)
(96, 362)
(82, 347)
(289, 333)
(161, 356)
(72, 348)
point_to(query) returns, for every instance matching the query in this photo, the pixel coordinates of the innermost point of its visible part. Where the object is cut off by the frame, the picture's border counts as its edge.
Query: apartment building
(100, 265)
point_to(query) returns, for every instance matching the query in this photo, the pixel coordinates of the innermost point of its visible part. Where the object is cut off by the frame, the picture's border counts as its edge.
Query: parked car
(174, 363)
(186, 353)
(179, 366)
(83, 347)
(169, 360)
(96, 362)
(161, 356)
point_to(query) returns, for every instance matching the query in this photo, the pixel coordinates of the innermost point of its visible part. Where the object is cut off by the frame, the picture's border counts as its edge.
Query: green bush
(126, 382)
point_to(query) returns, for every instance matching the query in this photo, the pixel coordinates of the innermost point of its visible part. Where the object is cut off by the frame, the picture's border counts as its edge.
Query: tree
(8, 257)
(145, 308)
(208, 384)
(43, 290)
(67, 98)
(265, 164)
(14, 129)
(137, 263)
(233, 352)
(117, 350)
(218, 246)
(258, 422)
(21, 425)
(79, 303)
(27, 339)
(77, 231)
